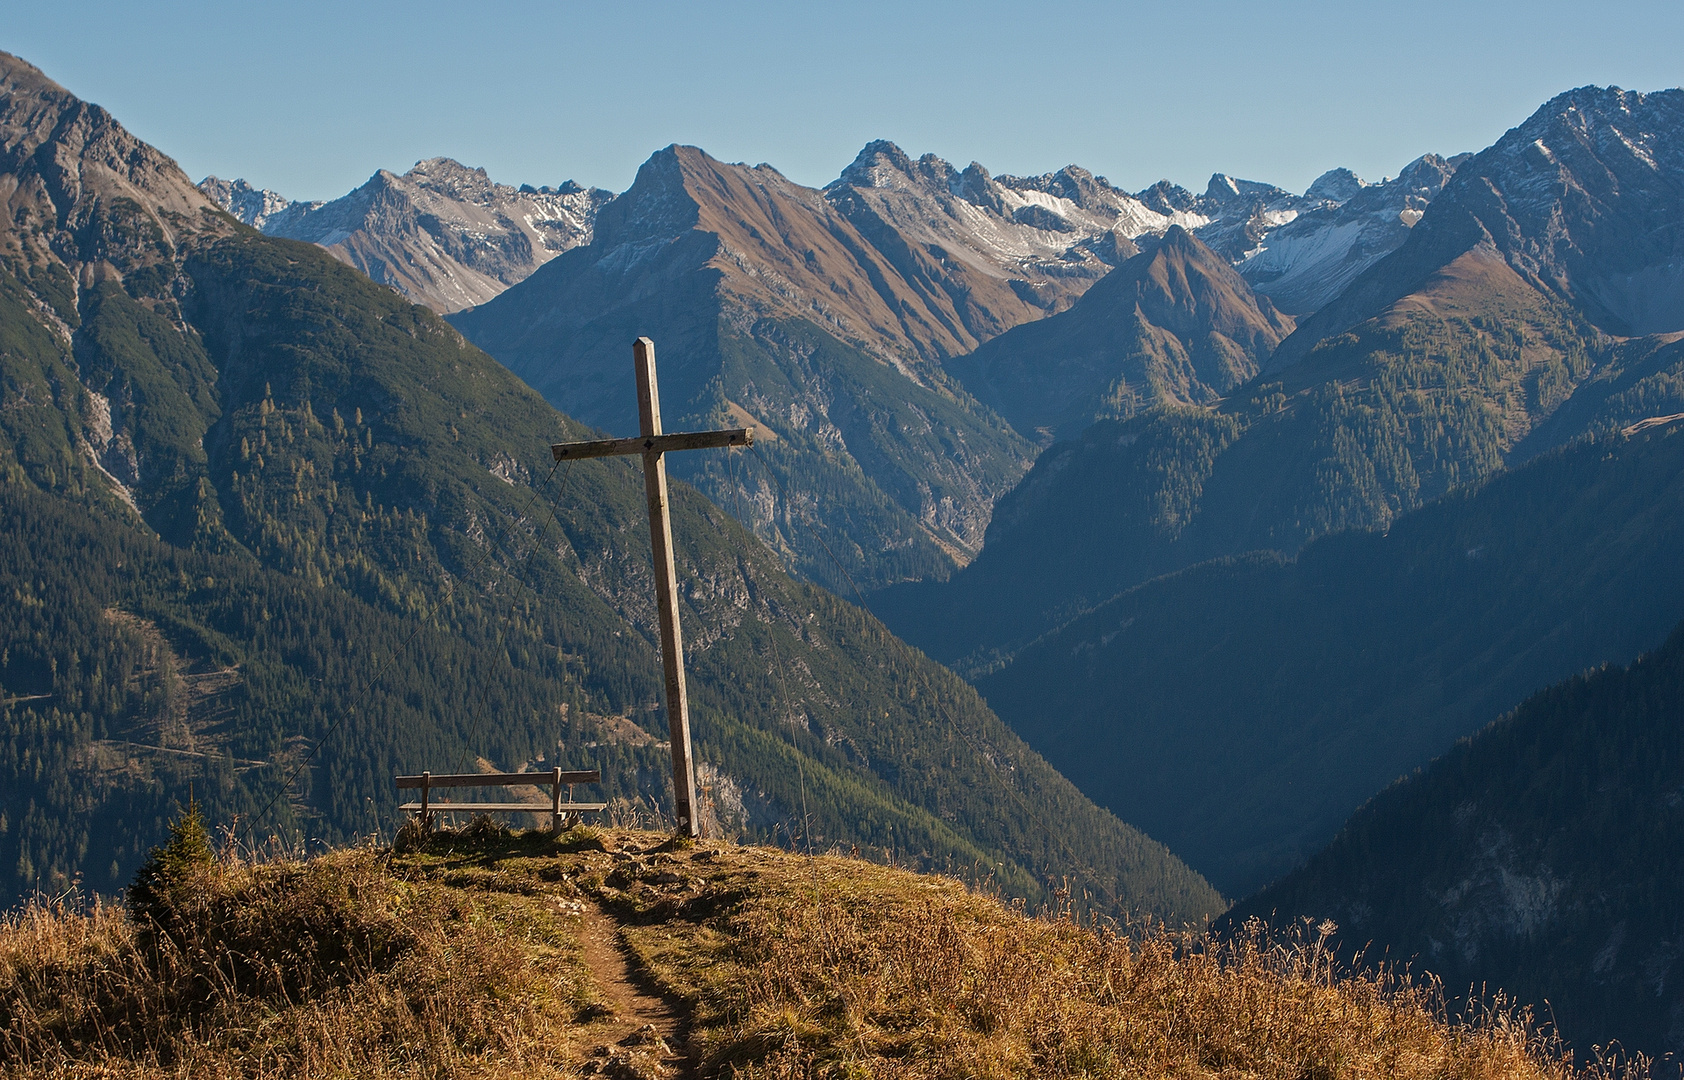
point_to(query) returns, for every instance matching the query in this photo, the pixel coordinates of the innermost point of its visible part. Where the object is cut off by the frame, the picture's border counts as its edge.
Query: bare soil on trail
(646, 1032)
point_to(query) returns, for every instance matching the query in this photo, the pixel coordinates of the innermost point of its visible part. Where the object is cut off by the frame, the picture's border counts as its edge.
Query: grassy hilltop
(620, 953)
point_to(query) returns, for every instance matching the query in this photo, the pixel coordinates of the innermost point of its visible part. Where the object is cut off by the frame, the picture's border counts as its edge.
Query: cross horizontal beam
(652, 444)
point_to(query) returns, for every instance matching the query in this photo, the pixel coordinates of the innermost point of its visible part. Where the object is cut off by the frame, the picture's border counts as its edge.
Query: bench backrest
(503, 779)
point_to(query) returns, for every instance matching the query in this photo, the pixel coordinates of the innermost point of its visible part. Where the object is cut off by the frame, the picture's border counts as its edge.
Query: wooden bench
(556, 779)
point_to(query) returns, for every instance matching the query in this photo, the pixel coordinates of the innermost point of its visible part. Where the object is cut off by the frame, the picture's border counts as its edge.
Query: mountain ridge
(1174, 325)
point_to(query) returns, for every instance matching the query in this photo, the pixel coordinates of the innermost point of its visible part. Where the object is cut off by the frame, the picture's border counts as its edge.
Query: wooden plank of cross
(652, 444)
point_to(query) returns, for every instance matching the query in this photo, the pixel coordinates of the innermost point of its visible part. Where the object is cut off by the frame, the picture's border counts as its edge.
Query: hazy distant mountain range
(443, 221)
(900, 267)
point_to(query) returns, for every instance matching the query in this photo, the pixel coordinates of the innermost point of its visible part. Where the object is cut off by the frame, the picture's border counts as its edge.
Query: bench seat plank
(531, 808)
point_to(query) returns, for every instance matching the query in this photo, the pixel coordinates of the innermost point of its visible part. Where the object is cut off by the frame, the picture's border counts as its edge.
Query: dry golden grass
(843, 969)
(461, 959)
(335, 967)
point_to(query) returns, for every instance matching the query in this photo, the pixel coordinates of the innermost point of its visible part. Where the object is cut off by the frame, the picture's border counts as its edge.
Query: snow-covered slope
(1302, 250)
(1305, 262)
(443, 234)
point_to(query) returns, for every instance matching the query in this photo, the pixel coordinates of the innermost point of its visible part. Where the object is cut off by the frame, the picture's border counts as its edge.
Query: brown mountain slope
(988, 254)
(770, 307)
(70, 171)
(1173, 325)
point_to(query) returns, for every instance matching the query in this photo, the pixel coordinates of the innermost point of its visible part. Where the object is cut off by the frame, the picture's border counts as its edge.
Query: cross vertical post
(653, 444)
(666, 589)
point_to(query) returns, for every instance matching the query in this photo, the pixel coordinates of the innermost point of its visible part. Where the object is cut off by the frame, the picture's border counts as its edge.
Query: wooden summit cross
(652, 444)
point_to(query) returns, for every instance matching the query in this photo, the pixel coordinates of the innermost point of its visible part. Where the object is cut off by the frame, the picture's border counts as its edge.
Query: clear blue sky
(309, 98)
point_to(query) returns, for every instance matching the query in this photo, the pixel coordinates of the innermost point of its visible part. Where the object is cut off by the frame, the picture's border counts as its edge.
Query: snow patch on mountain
(1306, 260)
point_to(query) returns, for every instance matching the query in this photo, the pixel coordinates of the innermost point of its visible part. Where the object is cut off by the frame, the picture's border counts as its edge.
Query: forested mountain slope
(1241, 709)
(1544, 855)
(264, 515)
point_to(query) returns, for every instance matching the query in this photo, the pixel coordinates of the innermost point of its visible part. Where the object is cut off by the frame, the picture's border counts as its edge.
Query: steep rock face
(1173, 325)
(442, 234)
(100, 372)
(1542, 856)
(1584, 201)
(769, 307)
(1306, 262)
(1242, 212)
(56, 147)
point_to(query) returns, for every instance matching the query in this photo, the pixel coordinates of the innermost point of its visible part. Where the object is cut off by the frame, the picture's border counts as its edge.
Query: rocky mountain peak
(1584, 201)
(1175, 324)
(84, 193)
(249, 205)
(448, 176)
(1225, 190)
(1167, 198)
(79, 152)
(658, 205)
(879, 164)
(1335, 186)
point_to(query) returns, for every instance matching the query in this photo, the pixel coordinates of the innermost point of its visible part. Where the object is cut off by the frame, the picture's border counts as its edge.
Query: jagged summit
(1335, 185)
(1583, 202)
(252, 206)
(444, 234)
(881, 163)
